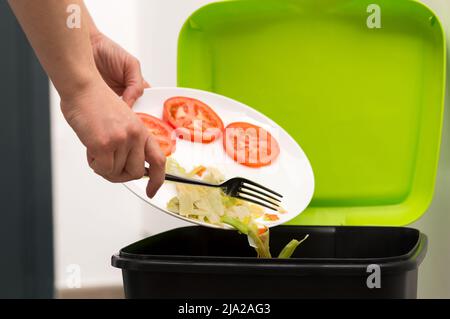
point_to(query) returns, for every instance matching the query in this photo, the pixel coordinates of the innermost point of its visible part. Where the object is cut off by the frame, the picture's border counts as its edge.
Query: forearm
(65, 53)
(117, 142)
(94, 32)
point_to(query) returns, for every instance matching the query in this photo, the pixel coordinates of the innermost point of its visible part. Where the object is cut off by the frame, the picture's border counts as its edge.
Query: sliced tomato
(193, 120)
(250, 145)
(161, 131)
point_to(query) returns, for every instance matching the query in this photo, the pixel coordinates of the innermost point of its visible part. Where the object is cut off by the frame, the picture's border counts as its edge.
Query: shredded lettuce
(207, 204)
(211, 205)
(261, 242)
(290, 248)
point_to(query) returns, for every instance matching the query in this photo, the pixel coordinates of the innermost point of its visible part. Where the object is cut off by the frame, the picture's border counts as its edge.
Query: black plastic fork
(238, 187)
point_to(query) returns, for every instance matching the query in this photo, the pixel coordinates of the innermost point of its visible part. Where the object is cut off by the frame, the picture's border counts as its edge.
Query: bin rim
(296, 266)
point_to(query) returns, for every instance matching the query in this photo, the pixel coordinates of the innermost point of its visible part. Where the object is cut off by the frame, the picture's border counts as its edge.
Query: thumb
(134, 82)
(132, 93)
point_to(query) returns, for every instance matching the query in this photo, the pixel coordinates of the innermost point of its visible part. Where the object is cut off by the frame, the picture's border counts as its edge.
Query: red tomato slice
(162, 132)
(250, 145)
(193, 120)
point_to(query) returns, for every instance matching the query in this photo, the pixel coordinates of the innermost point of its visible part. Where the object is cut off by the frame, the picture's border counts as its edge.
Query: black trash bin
(335, 262)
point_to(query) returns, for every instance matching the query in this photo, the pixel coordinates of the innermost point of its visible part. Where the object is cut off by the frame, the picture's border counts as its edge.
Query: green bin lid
(364, 100)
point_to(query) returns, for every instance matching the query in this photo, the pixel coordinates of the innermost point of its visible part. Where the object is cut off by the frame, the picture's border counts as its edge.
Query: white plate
(290, 174)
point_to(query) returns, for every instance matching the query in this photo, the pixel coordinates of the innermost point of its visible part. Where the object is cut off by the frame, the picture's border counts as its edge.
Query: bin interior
(324, 242)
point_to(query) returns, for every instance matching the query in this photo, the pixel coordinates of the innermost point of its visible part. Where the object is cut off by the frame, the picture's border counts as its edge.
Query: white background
(94, 219)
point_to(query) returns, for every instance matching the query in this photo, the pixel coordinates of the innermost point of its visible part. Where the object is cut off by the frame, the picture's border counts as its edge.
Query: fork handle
(179, 179)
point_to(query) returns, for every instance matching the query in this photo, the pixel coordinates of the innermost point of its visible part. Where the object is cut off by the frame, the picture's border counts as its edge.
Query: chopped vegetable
(271, 217)
(261, 241)
(262, 230)
(211, 205)
(207, 204)
(200, 170)
(289, 249)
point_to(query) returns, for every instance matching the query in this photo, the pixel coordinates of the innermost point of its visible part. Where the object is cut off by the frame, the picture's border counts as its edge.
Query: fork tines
(258, 194)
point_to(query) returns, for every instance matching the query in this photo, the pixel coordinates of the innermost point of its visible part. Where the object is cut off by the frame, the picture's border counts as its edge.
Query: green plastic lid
(361, 88)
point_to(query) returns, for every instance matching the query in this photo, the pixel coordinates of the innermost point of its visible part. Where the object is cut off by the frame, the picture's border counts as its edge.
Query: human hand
(117, 142)
(119, 69)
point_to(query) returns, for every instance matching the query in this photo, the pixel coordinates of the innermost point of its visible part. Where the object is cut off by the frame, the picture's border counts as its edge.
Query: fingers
(102, 163)
(133, 82)
(89, 157)
(155, 157)
(126, 159)
(136, 161)
(120, 161)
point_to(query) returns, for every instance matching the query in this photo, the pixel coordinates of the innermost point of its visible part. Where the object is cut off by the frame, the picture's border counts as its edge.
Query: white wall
(93, 218)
